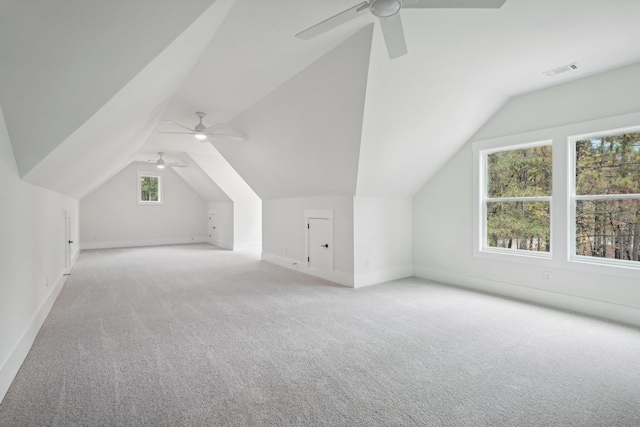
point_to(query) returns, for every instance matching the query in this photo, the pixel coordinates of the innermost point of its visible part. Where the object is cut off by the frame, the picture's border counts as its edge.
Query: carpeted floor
(196, 336)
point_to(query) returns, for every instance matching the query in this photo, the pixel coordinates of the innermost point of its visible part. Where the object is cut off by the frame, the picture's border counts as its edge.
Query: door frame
(318, 214)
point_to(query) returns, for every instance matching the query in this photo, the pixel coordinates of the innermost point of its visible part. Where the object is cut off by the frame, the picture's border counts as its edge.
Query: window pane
(519, 225)
(608, 228)
(519, 173)
(149, 188)
(608, 165)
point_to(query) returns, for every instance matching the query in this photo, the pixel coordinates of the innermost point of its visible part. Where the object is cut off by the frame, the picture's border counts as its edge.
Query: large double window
(594, 214)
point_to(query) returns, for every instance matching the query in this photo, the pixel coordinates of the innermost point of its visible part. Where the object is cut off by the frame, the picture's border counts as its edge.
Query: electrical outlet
(547, 276)
(47, 282)
(286, 250)
(366, 262)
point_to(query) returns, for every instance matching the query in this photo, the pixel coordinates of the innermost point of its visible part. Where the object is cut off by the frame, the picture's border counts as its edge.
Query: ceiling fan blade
(219, 127)
(180, 133)
(453, 4)
(175, 165)
(334, 21)
(178, 124)
(226, 136)
(143, 162)
(393, 36)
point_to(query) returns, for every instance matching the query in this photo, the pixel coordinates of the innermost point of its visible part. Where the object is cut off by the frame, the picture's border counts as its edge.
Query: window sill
(544, 258)
(600, 266)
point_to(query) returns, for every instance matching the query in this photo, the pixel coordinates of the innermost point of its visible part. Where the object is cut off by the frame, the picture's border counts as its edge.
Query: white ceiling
(63, 63)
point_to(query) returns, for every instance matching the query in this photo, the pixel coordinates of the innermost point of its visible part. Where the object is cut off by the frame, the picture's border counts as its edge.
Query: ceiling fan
(160, 163)
(388, 12)
(201, 132)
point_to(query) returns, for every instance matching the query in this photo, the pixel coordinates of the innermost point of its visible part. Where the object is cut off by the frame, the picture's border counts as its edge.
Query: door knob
(326, 245)
(70, 241)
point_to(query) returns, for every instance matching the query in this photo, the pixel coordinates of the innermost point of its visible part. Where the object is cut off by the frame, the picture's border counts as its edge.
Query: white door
(67, 242)
(320, 244)
(212, 228)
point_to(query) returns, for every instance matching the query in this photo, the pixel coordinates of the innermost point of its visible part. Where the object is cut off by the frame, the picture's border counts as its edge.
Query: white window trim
(573, 198)
(160, 176)
(561, 210)
(480, 204)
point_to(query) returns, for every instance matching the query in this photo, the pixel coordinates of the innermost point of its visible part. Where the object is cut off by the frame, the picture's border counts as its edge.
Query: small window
(149, 188)
(605, 200)
(516, 200)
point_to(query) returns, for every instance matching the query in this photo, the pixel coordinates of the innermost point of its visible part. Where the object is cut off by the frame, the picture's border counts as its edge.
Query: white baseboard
(146, 242)
(381, 276)
(591, 307)
(222, 244)
(12, 365)
(301, 266)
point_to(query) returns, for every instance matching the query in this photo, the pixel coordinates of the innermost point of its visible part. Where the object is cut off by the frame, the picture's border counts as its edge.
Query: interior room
(397, 212)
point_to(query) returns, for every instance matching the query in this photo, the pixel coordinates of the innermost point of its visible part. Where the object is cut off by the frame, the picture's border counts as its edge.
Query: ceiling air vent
(561, 70)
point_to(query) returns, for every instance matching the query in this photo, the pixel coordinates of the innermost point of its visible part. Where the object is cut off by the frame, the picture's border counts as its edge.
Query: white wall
(443, 208)
(371, 236)
(32, 258)
(284, 231)
(247, 224)
(223, 212)
(247, 206)
(382, 239)
(111, 216)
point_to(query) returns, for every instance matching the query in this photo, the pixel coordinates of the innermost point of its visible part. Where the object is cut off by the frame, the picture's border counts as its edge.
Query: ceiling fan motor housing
(200, 127)
(385, 8)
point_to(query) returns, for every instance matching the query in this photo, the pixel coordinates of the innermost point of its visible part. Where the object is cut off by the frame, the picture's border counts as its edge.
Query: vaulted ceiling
(84, 85)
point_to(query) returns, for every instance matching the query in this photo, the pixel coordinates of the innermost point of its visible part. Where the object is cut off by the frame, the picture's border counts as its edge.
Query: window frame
(481, 192)
(561, 208)
(140, 175)
(573, 198)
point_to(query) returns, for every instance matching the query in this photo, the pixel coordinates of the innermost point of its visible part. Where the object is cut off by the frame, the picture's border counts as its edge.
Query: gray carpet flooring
(195, 336)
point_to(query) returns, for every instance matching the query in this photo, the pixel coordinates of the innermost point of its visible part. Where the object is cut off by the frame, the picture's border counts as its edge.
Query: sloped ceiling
(463, 65)
(83, 84)
(63, 60)
(305, 135)
(105, 142)
(201, 182)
